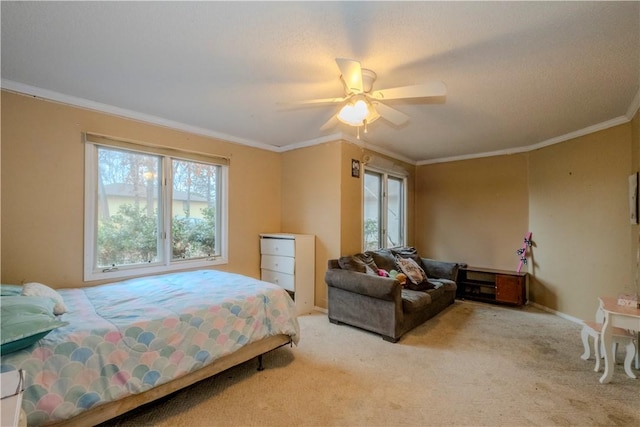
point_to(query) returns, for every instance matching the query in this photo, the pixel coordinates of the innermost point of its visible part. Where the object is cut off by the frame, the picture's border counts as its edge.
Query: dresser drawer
(281, 264)
(283, 247)
(281, 279)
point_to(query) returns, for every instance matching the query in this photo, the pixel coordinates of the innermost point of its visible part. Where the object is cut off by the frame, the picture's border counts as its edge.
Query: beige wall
(350, 201)
(320, 197)
(311, 203)
(579, 212)
(573, 196)
(473, 211)
(43, 188)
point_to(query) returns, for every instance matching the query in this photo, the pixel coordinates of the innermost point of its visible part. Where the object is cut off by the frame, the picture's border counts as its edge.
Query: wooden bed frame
(111, 410)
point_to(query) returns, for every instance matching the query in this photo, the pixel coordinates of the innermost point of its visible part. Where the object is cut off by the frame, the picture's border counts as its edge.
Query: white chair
(620, 336)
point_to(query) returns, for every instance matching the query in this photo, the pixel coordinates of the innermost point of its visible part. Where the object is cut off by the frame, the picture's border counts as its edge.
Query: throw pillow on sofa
(407, 252)
(416, 275)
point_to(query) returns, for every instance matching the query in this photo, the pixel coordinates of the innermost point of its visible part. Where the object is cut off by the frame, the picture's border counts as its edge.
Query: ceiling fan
(362, 105)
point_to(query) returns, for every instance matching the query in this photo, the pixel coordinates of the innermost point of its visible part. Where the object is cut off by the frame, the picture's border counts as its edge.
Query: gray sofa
(358, 296)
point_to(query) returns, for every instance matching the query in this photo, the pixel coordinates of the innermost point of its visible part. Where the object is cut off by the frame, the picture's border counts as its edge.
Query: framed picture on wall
(633, 198)
(355, 168)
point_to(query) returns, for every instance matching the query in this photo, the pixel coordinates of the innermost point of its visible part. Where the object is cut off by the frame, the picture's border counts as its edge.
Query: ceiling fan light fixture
(354, 113)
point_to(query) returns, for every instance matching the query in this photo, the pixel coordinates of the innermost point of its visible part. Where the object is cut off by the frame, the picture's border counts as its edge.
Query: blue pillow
(25, 320)
(10, 290)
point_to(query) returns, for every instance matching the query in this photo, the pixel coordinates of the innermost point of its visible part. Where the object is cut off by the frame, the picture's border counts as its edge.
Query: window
(151, 209)
(384, 210)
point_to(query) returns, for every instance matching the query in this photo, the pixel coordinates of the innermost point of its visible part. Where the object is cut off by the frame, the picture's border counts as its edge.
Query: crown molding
(525, 149)
(61, 98)
(24, 89)
(341, 136)
(311, 142)
(634, 106)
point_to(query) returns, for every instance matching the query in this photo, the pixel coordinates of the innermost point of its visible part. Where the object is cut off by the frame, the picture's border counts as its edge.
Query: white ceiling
(518, 74)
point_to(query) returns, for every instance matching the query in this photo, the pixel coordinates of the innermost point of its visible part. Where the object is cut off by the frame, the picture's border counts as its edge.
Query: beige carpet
(474, 364)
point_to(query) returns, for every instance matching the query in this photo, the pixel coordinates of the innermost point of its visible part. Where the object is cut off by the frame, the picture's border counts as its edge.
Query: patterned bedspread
(127, 337)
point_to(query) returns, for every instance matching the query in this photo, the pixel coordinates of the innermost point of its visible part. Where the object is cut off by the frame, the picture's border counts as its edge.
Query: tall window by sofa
(151, 209)
(384, 210)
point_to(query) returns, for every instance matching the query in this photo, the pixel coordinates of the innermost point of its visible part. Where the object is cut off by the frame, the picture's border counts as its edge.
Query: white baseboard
(557, 313)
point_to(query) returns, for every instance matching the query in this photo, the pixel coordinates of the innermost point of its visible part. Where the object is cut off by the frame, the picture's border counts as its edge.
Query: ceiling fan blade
(373, 114)
(394, 116)
(351, 74)
(425, 90)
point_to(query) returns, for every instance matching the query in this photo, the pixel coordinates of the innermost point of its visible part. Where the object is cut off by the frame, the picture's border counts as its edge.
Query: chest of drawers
(288, 260)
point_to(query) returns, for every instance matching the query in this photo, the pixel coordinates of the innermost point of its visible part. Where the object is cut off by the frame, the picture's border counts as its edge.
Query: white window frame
(384, 205)
(166, 263)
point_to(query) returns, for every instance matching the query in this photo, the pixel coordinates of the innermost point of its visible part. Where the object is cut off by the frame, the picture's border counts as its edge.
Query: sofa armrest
(440, 269)
(365, 284)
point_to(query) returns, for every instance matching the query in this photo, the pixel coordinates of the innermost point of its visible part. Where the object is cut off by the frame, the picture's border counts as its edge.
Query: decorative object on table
(628, 300)
(11, 390)
(522, 252)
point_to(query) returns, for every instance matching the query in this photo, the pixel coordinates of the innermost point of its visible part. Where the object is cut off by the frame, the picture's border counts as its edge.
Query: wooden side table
(491, 285)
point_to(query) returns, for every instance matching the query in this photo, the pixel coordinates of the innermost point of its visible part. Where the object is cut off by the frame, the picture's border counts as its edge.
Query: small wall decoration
(355, 168)
(633, 198)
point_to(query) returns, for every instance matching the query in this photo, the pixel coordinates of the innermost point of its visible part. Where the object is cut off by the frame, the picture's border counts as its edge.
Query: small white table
(615, 316)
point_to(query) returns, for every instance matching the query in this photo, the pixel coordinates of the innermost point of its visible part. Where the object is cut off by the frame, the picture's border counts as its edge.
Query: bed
(128, 343)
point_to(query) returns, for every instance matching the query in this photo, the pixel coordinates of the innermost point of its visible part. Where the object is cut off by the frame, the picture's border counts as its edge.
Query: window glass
(395, 212)
(150, 212)
(384, 210)
(194, 209)
(372, 210)
(128, 208)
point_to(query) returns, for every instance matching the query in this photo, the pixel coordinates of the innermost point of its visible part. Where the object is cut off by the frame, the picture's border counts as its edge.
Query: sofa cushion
(436, 292)
(447, 285)
(408, 252)
(440, 269)
(413, 301)
(352, 264)
(384, 259)
(360, 263)
(369, 263)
